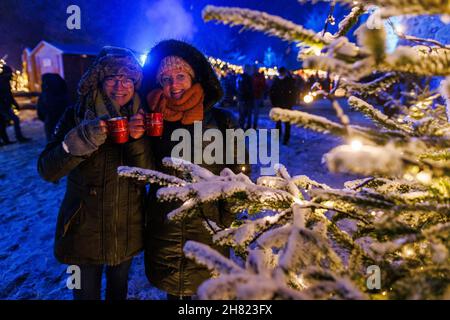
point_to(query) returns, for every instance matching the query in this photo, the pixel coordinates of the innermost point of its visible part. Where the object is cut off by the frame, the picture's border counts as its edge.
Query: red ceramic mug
(118, 129)
(154, 124)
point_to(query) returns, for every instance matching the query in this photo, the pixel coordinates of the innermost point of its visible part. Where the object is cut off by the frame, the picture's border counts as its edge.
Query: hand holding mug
(136, 125)
(86, 137)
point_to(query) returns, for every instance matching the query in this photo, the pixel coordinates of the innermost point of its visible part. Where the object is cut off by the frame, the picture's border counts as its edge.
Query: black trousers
(245, 113)
(91, 282)
(3, 134)
(9, 114)
(287, 131)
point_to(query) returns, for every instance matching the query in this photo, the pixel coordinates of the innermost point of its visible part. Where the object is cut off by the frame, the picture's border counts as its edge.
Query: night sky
(140, 24)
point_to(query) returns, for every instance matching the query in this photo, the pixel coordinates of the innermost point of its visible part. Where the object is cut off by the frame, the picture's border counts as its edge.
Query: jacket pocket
(71, 216)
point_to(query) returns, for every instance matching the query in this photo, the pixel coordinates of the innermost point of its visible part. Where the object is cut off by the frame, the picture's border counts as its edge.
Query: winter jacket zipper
(182, 260)
(117, 210)
(105, 258)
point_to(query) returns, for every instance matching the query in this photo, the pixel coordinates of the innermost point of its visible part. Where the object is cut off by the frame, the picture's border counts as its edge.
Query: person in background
(228, 83)
(100, 225)
(259, 87)
(283, 94)
(326, 83)
(246, 99)
(4, 139)
(302, 87)
(52, 102)
(231, 87)
(6, 102)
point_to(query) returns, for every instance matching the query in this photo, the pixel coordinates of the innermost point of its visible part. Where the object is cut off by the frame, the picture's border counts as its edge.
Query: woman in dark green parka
(101, 219)
(180, 83)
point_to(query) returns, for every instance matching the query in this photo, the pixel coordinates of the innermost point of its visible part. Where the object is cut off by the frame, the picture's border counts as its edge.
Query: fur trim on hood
(204, 73)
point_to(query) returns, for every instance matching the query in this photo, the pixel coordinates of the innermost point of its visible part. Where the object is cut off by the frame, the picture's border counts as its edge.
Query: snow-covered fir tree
(294, 247)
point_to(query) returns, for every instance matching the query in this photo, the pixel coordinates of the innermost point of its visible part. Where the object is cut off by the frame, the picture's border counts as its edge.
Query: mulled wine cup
(118, 129)
(154, 124)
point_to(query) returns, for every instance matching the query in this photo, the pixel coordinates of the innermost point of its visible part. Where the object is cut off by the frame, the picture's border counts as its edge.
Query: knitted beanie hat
(110, 61)
(174, 63)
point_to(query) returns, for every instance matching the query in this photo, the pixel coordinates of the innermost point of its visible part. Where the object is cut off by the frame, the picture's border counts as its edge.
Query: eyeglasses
(168, 80)
(113, 80)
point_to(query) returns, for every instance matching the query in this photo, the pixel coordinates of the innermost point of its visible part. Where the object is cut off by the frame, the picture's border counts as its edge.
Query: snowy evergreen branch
(306, 120)
(275, 238)
(306, 248)
(368, 200)
(195, 171)
(323, 125)
(212, 227)
(261, 21)
(210, 258)
(325, 284)
(245, 234)
(373, 42)
(292, 188)
(402, 7)
(350, 20)
(370, 88)
(227, 186)
(356, 70)
(305, 183)
(420, 60)
(247, 287)
(149, 176)
(416, 39)
(376, 115)
(445, 92)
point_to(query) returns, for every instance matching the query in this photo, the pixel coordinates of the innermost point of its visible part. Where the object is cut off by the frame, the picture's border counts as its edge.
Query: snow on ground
(28, 210)
(29, 206)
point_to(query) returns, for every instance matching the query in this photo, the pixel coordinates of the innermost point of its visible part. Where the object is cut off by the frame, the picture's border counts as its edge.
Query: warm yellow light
(317, 51)
(408, 252)
(356, 145)
(308, 98)
(424, 177)
(243, 168)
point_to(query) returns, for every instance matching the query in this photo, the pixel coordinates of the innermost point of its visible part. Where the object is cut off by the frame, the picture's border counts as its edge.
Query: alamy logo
(374, 277)
(74, 280)
(74, 20)
(231, 149)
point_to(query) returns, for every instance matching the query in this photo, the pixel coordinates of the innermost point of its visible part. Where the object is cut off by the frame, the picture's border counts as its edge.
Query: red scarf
(188, 108)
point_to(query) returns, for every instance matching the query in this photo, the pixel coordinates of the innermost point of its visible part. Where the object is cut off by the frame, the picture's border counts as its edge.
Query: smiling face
(175, 83)
(119, 89)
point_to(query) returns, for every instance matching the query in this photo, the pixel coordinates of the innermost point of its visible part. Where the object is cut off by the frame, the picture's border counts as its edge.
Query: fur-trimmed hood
(204, 73)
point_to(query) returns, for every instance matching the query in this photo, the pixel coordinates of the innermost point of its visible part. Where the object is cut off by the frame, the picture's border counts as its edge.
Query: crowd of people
(250, 90)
